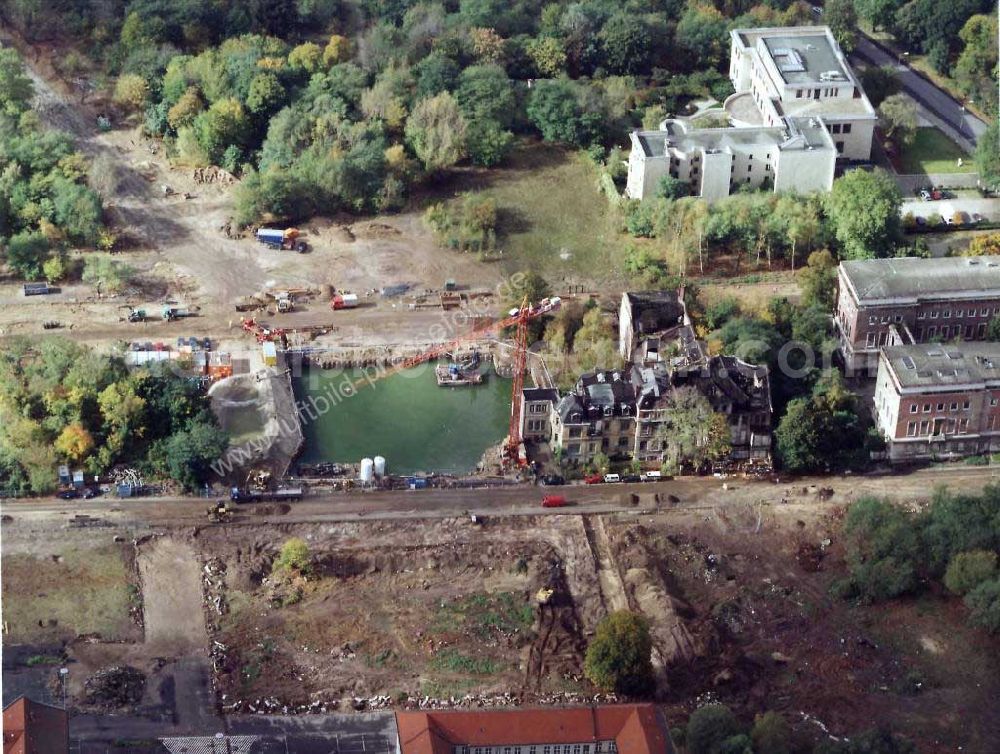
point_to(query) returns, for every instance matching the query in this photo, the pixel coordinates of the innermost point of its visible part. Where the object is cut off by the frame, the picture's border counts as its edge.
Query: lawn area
(551, 216)
(933, 152)
(83, 591)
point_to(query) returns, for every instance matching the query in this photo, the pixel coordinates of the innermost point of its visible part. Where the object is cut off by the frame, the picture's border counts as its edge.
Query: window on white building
(847, 128)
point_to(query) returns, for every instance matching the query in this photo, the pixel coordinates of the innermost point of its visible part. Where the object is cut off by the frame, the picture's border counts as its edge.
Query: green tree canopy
(619, 657)
(710, 726)
(16, 89)
(436, 132)
(864, 209)
(883, 550)
(967, 570)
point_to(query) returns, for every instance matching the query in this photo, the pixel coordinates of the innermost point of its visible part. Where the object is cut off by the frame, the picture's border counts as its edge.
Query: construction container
(220, 366)
(367, 472)
(344, 301)
(379, 466)
(416, 482)
(270, 354)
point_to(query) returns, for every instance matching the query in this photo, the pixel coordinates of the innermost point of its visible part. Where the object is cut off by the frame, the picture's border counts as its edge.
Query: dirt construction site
(190, 623)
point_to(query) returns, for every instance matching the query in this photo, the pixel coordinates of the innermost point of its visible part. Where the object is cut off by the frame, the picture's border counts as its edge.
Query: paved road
(965, 125)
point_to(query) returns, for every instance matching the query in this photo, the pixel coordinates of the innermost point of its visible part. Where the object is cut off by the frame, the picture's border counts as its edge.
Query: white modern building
(796, 110)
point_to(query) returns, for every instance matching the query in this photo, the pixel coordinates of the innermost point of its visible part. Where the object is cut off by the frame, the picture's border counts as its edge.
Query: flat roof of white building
(910, 278)
(801, 133)
(805, 57)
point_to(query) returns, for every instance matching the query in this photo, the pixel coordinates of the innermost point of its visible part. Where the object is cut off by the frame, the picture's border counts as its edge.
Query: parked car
(937, 194)
(631, 478)
(612, 478)
(68, 494)
(554, 501)
(976, 217)
(89, 493)
(552, 480)
(594, 479)
(925, 195)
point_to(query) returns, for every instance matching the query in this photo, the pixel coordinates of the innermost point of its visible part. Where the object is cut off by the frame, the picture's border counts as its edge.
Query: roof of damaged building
(653, 311)
(540, 394)
(745, 386)
(635, 728)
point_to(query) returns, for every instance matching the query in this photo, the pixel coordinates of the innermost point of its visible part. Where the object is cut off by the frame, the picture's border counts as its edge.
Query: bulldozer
(220, 512)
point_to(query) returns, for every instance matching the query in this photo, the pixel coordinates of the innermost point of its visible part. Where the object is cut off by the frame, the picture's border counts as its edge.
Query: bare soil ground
(56, 594)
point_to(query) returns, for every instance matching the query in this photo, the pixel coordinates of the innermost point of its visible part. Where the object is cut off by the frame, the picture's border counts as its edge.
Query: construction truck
(276, 238)
(134, 315)
(285, 302)
(171, 313)
(220, 512)
(344, 301)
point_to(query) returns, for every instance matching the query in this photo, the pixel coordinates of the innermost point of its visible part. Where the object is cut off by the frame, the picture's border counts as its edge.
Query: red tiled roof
(635, 728)
(31, 727)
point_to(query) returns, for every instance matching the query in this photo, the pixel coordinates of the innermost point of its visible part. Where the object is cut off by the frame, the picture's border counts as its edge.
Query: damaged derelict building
(619, 413)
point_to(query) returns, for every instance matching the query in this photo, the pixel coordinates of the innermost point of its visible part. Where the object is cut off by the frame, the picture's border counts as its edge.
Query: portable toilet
(78, 479)
(64, 477)
(379, 467)
(270, 354)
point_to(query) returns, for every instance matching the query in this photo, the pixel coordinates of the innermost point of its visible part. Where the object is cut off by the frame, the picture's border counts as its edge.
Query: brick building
(30, 727)
(619, 728)
(937, 400)
(887, 302)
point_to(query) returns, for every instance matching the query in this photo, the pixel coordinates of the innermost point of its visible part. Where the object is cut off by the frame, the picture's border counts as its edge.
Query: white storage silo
(367, 468)
(379, 467)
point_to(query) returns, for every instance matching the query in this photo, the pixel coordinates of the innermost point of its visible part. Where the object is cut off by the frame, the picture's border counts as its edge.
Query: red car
(554, 501)
(594, 479)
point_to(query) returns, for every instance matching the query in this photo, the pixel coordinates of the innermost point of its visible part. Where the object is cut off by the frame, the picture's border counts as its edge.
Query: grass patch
(85, 591)
(933, 152)
(485, 615)
(453, 661)
(42, 660)
(552, 216)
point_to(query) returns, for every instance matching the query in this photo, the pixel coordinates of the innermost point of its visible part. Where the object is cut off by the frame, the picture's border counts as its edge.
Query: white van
(652, 476)
(612, 478)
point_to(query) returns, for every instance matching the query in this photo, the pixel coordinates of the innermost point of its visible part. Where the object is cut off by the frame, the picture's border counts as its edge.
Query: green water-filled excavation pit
(405, 417)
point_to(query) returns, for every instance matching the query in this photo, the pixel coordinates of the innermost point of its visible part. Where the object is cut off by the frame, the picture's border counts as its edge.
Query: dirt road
(171, 583)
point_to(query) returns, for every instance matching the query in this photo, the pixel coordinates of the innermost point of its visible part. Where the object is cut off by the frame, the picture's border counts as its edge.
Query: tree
(984, 606)
(771, 733)
(692, 432)
(74, 442)
(225, 123)
(800, 221)
(878, 13)
(974, 72)
(554, 109)
(131, 91)
(294, 556)
(703, 33)
(485, 92)
(879, 82)
(993, 330)
(883, 550)
(488, 143)
(842, 19)
(898, 117)
(987, 245)
(188, 455)
(669, 187)
(435, 73)
(26, 253)
(78, 210)
(627, 43)
(266, 94)
(307, 57)
(487, 45)
(548, 56)
(708, 727)
(185, 109)
(864, 209)
(967, 570)
(619, 657)
(988, 157)
(16, 89)
(436, 132)
(957, 523)
(54, 268)
(821, 432)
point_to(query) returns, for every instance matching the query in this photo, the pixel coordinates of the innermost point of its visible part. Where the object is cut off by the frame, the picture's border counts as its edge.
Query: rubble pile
(118, 686)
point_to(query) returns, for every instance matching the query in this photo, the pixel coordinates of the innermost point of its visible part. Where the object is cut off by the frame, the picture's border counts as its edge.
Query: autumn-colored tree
(307, 57)
(74, 442)
(982, 246)
(185, 109)
(337, 50)
(487, 45)
(131, 91)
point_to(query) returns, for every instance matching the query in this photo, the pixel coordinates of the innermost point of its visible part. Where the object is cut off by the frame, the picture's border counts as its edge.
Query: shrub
(984, 606)
(967, 570)
(710, 726)
(619, 656)
(294, 556)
